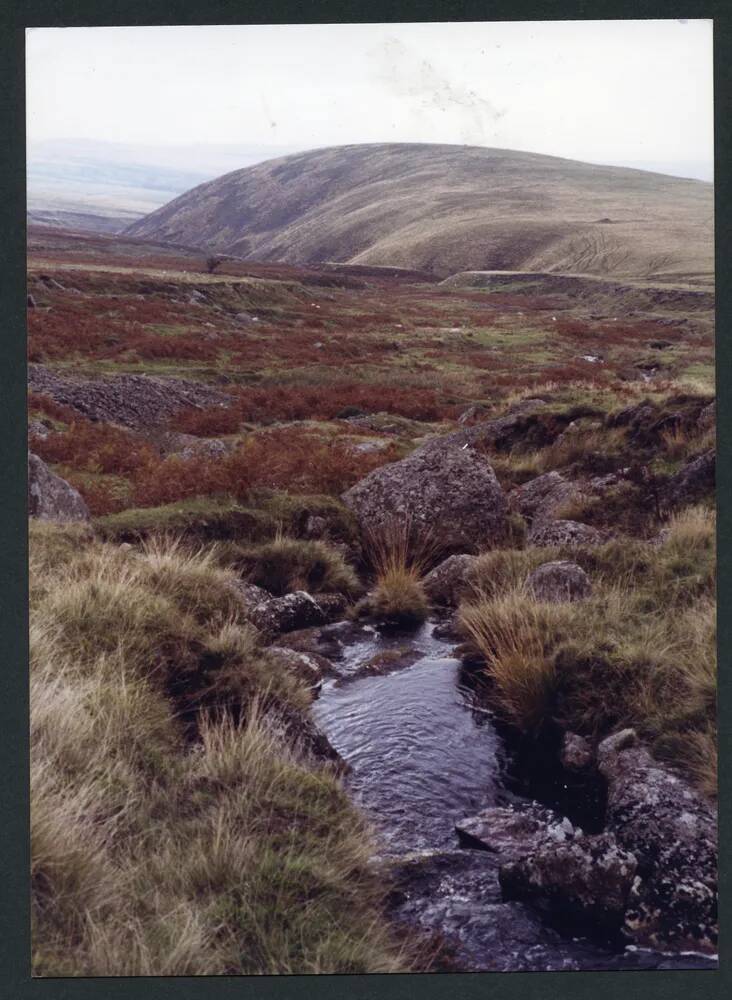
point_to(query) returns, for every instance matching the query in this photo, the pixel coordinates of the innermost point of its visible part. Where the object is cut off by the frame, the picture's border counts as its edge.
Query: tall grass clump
(285, 564)
(180, 822)
(399, 554)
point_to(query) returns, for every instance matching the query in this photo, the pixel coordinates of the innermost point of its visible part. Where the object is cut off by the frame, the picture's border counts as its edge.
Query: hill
(444, 208)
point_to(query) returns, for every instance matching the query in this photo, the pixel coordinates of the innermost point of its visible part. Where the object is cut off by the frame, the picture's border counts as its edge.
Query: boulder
(285, 614)
(513, 832)
(446, 583)
(672, 831)
(304, 666)
(694, 482)
(50, 497)
(559, 582)
(38, 429)
(576, 753)
(472, 413)
(582, 878)
(333, 606)
(540, 498)
(451, 494)
(564, 533)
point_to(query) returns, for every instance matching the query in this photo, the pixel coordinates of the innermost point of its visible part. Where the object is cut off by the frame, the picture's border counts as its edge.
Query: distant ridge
(444, 209)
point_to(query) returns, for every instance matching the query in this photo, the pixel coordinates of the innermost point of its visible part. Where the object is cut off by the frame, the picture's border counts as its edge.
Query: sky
(636, 93)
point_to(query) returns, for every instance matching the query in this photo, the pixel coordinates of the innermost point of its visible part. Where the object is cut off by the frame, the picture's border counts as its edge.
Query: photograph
(372, 532)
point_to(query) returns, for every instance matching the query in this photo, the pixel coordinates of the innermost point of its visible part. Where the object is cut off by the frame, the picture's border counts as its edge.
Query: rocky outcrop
(576, 754)
(694, 482)
(446, 583)
(450, 494)
(564, 534)
(513, 832)
(559, 582)
(136, 401)
(672, 831)
(285, 614)
(581, 878)
(50, 497)
(304, 666)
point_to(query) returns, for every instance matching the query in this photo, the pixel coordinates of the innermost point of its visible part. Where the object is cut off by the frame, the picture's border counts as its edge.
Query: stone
(446, 583)
(513, 832)
(286, 614)
(305, 667)
(559, 582)
(672, 830)
(333, 606)
(50, 497)
(694, 482)
(575, 753)
(540, 498)
(31, 302)
(451, 495)
(38, 429)
(472, 414)
(564, 534)
(582, 878)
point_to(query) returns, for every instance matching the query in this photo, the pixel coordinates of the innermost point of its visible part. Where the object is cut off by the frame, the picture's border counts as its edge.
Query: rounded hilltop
(448, 208)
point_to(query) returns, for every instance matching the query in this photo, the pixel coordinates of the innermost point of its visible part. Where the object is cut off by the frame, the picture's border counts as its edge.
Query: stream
(423, 756)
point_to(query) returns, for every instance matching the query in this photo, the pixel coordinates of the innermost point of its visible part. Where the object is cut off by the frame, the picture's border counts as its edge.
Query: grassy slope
(155, 853)
(447, 209)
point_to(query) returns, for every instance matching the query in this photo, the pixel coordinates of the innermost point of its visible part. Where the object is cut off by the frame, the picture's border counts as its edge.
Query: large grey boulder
(50, 497)
(513, 832)
(672, 830)
(559, 582)
(446, 583)
(563, 534)
(285, 614)
(451, 494)
(583, 877)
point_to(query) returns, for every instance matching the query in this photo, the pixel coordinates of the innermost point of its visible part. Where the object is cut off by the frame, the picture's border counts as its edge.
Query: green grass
(234, 854)
(287, 564)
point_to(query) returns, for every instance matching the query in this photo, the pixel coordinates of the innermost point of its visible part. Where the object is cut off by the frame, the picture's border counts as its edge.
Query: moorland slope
(448, 208)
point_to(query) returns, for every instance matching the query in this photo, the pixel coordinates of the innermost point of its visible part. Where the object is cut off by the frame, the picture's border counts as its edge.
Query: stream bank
(422, 757)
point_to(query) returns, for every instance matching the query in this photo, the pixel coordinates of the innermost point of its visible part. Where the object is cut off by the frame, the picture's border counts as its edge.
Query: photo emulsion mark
(371, 491)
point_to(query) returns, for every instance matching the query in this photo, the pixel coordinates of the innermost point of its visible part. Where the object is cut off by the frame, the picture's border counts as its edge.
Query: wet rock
(50, 497)
(581, 878)
(446, 583)
(694, 482)
(672, 831)
(512, 832)
(452, 494)
(304, 666)
(559, 582)
(576, 753)
(540, 498)
(285, 614)
(564, 533)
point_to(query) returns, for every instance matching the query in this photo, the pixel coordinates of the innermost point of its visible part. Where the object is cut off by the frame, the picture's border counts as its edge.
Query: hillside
(444, 209)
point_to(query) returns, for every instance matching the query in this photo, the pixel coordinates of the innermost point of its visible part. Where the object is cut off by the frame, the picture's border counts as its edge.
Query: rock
(37, 429)
(564, 533)
(370, 446)
(446, 583)
(245, 318)
(527, 405)
(136, 401)
(576, 753)
(672, 831)
(285, 614)
(472, 413)
(708, 417)
(304, 666)
(50, 497)
(583, 878)
(559, 582)
(513, 832)
(451, 494)
(538, 499)
(333, 606)
(31, 302)
(189, 446)
(694, 482)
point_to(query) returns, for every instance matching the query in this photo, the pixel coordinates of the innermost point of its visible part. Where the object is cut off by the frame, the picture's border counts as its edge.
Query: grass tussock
(286, 564)
(641, 651)
(234, 853)
(399, 554)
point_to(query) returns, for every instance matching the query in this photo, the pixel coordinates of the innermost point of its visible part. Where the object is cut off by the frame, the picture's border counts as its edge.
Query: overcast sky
(628, 92)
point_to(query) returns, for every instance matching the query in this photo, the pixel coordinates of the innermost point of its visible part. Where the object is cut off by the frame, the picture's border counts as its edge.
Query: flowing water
(423, 756)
